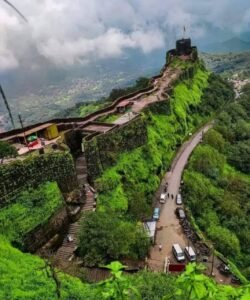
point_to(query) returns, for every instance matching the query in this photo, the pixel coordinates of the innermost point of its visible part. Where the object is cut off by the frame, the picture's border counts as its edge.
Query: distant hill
(229, 64)
(234, 44)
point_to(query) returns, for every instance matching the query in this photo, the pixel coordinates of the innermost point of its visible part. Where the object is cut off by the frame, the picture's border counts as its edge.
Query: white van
(178, 199)
(190, 254)
(163, 198)
(178, 253)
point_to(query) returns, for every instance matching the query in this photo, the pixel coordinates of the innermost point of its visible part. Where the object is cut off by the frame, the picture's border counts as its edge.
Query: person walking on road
(172, 196)
(160, 247)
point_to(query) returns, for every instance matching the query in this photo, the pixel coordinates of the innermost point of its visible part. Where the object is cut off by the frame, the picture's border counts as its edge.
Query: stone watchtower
(183, 47)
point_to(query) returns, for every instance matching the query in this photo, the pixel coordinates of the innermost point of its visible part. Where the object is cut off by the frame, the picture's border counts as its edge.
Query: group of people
(165, 190)
(170, 195)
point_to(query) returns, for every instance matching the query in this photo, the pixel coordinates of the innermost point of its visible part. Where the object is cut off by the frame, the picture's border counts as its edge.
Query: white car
(163, 198)
(178, 199)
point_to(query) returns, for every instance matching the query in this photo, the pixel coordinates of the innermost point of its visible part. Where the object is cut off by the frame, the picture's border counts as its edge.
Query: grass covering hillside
(24, 277)
(30, 209)
(217, 184)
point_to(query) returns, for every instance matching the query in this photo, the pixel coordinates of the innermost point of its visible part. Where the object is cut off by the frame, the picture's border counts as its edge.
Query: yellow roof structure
(29, 132)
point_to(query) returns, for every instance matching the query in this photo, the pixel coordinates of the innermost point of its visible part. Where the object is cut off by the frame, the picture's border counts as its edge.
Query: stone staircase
(81, 170)
(66, 252)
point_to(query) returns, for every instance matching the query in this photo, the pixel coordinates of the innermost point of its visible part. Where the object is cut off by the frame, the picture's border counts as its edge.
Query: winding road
(169, 230)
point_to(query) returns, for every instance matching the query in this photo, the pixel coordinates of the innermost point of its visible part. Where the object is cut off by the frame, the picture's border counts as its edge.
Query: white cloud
(69, 32)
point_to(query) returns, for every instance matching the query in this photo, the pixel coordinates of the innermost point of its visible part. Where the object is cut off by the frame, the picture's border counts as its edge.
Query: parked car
(163, 198)
(156, 214)
(178, 199)
(178, 253)
(224, 269)
(190, 254)
(180, 213)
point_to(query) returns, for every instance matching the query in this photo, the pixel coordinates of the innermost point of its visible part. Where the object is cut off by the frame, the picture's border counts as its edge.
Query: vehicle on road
(178, 199)
(156, 214)
(180, 213)
(190, 254)
(178, 253)
(235, 280)
(224, 269)
(163, 198)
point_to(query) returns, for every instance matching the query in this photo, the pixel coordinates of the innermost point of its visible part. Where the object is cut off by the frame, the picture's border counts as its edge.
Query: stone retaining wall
(103, 150)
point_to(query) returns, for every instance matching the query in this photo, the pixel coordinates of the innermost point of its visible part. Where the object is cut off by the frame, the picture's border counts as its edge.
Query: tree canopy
(105, 237)
(6, 150)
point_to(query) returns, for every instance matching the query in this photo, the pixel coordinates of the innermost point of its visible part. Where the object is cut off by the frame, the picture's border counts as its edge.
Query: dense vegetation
(105, 237)
(31, 208)
(217, 183)
(6, 150)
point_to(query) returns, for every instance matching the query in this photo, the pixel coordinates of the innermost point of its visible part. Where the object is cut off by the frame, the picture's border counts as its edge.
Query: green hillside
(217, 184)
(125, 197)
(229, 64)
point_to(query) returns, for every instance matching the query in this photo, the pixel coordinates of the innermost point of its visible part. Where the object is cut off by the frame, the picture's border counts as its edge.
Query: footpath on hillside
(169, 230)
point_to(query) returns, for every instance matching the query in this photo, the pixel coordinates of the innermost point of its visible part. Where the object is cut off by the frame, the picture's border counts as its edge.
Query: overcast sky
(66, 32)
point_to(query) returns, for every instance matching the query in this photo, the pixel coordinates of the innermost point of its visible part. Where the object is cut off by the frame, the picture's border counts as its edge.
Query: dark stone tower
(183, 47)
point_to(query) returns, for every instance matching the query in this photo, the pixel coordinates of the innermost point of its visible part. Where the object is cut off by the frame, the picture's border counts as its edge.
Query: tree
(6, 150)
(142, 82)
(225, 240)
(105, 237)
(215, 139)
(239, 155)
(242, 130)
(208, 161)
(138, 207)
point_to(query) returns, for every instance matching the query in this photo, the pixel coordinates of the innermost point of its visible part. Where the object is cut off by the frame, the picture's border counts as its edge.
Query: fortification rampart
(101, 151)
(19, 175)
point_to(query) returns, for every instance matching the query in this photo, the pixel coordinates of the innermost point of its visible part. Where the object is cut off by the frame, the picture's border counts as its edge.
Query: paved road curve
(169, 230)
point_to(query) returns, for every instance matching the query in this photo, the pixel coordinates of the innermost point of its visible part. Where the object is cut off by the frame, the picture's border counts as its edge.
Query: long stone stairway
(66, 252)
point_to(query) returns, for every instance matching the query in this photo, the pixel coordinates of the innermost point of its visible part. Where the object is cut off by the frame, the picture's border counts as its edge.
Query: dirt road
(169, 230)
